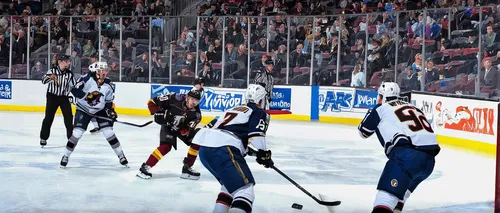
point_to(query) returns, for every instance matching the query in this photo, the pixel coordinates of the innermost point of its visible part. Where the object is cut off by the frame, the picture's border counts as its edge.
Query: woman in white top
(358, 77)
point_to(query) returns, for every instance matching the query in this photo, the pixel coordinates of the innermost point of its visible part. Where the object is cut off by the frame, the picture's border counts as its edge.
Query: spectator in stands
(411, 82)
(260, 47)
(158, 69)
(471, 42)
(490, 37)
(207, 73)
(358, 77)
(297, 57)
(76, 63)
(230, 53)
(189, 62)
(431, 74)
(375, 59)
(489, 75)
(142, 69)
(212, 55)
(20, 47)
(88, 49)
(127, 51)
(242, 54)
(417, 65)
(4, 53)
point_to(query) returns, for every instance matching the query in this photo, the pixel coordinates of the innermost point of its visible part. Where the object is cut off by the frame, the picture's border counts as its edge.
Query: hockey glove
(264, 158)
(159, 118)
(111, 114)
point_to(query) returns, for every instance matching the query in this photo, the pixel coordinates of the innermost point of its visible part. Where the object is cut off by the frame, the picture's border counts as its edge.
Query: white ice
(324, 158)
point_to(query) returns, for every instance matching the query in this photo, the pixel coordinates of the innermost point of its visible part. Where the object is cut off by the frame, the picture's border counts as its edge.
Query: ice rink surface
(324, 158)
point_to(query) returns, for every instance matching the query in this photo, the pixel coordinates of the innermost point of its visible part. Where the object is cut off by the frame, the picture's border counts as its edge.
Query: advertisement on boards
(366, 99)
(5, 89)
(456, 117)
(335, 99)
(282, 99)
(214, 100)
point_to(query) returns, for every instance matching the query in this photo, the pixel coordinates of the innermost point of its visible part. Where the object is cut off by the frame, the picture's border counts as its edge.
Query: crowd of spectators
(378, 40)
(449, 30)
(79, 37)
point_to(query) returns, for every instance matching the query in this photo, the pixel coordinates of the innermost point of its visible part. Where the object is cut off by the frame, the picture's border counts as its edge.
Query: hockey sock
(158, 154)
(192, 155)
(382, 209)
(241, 204)
(223, 202)
(73, 141)
(115, 144)
(243, 199)
(112, 140)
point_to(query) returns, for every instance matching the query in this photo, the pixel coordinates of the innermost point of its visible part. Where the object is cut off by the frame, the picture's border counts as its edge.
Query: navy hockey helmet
(194, 94)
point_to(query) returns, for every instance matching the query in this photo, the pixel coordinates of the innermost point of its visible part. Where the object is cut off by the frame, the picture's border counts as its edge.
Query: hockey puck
(296, 206)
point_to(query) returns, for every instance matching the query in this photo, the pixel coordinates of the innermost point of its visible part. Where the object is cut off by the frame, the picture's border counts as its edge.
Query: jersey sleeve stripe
(364, 132)
(256, 134)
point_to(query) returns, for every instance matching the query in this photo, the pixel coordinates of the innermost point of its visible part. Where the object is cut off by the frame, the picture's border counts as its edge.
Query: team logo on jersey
(394, 183)
(93, 98)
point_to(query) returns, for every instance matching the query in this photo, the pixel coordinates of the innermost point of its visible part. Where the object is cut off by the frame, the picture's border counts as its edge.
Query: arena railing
(305, 49)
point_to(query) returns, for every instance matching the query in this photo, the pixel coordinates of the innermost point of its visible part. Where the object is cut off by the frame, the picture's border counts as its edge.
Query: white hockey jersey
(399, 123)
(240, 125)
(91, 97)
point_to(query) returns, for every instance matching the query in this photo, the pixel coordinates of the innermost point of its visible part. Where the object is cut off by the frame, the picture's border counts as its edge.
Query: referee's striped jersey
(62, 84)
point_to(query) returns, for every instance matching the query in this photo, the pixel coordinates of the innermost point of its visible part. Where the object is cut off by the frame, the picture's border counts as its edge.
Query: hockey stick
(253, 151)
(117, 121)
(321, 202)
(123, 122)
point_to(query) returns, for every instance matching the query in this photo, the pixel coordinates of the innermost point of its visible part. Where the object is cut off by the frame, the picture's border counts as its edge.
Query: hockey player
(178, 116)
(94, 93)
(409, 143)
(223, 147)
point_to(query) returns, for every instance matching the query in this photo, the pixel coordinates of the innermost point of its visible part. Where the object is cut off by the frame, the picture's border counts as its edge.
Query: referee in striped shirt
(60, 81)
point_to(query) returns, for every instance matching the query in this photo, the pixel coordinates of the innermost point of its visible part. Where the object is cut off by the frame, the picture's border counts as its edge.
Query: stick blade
(329, 203)
(136, 125)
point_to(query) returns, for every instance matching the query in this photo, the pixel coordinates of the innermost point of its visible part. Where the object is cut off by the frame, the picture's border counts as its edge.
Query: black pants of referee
(54, 102)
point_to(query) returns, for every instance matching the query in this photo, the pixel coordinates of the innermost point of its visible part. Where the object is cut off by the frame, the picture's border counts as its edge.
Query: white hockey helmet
(256, 94)
(388, 90)
(99, 65)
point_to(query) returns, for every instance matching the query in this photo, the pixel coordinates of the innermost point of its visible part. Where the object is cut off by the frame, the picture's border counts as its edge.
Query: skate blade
(62, 167)
(189, 177)
(126, 166)
(142, 176)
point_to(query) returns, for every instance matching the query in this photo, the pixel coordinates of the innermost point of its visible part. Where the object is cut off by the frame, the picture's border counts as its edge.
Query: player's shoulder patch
(179, 97)
(163, 97)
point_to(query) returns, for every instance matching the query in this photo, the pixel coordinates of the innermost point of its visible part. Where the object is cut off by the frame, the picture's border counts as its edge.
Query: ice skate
(94, 130)
(123, 160)
(64, 161)
(144, 172)
(43, 142)
(189, 173)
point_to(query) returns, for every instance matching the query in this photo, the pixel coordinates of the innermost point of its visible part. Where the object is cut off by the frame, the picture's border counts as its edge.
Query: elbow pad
(153, 108)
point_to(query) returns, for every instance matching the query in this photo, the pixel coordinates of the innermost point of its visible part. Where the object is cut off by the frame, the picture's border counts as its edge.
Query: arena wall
(462, 122)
